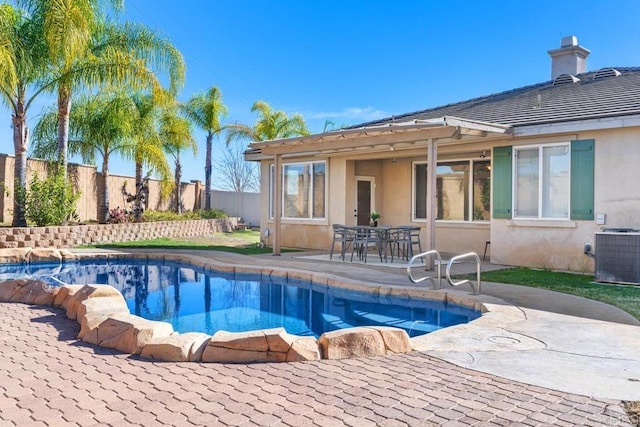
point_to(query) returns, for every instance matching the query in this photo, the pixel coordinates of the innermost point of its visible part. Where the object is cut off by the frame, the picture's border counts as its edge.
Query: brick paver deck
(47, 377)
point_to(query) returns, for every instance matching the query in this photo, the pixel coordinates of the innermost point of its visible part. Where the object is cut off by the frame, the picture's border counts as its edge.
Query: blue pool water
(193, 299)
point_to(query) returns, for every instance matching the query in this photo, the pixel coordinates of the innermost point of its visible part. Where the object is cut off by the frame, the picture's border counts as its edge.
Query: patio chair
(342, 236)
(404, 239)
(364, 238)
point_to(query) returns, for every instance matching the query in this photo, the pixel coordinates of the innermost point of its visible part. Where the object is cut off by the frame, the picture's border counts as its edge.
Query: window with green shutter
(502, 181)
(582, 179)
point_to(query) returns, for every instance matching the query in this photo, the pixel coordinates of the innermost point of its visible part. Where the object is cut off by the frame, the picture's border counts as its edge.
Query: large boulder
(14, 255)
(44, 255)
(126, 332)
(268, 345)
(303, 349)
(86, 292)
(27, 291)
(64, 294)
(352, 342)
(395, 340)
(92, 309)
(187, 347)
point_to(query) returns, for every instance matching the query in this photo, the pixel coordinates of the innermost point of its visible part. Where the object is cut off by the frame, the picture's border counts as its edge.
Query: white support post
(277, 214)
(432, 165)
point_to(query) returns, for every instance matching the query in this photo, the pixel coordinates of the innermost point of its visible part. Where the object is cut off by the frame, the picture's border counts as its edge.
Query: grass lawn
(626, 297)
(241, 242)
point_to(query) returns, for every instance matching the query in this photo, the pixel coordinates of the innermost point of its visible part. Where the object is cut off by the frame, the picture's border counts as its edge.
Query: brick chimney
(571, 58)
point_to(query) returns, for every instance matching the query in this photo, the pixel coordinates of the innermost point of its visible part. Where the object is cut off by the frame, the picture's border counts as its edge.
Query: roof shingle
(543, 102)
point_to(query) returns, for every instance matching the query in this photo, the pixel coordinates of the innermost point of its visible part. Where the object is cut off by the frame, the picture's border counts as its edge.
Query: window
(549, 181)
(463, 190)
(303, 190)
(542, 181)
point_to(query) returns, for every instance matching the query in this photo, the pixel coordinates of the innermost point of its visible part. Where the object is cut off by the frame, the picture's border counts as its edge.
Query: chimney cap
(569, 41)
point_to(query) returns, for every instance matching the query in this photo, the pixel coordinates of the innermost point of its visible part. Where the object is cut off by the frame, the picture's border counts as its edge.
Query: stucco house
(536, 171)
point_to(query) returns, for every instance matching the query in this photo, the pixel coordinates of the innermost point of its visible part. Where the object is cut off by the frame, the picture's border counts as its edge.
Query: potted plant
(374, 218)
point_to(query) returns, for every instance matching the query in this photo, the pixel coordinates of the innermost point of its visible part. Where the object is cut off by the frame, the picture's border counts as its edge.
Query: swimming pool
(194, 299)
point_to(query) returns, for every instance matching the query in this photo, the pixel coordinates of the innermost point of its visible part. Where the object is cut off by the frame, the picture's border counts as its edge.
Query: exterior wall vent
(564, 79)
(606, 72)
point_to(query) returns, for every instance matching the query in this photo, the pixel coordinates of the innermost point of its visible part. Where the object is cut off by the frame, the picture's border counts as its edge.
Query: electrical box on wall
(601, 219)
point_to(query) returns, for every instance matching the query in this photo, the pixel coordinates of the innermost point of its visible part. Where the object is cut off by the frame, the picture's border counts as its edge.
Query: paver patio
(50, 378)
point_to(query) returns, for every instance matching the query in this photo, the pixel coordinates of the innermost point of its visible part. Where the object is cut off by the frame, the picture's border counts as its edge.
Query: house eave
(632, 120)
(373, 137)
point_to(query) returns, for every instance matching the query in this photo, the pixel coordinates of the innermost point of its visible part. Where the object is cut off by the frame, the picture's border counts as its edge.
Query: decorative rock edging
(106, 321)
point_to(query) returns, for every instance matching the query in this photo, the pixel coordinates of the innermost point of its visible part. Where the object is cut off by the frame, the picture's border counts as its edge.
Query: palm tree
(114, 54)
(22, 59)
(101, 125)
(148, 147)
(206, 111)
(175, 132)
(271, 124)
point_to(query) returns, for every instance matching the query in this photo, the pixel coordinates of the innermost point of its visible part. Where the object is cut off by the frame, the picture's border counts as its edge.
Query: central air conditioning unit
(618, 256)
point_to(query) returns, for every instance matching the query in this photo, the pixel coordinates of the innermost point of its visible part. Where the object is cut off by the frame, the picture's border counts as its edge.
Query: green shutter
(502, 167)
(582, 158)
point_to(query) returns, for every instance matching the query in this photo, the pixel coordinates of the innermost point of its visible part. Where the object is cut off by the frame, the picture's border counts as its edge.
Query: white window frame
(471, 162)
(311, 189)
(514, 188)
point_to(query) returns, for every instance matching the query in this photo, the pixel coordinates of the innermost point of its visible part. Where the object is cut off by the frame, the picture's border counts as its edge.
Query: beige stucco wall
(393, 199)
(559, 245)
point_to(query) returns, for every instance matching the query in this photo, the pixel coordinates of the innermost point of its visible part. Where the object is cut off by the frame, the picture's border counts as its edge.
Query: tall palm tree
(115, 54)
(175, 132)
(22, 57)
(206, 110)
(101, 125)
(148, 147)
(271, 124)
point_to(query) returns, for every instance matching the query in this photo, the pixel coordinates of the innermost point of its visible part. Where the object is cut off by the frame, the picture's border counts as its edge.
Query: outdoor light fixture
(483, 155)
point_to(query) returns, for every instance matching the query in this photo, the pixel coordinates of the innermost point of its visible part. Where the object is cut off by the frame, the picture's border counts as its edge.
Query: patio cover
(395, 135)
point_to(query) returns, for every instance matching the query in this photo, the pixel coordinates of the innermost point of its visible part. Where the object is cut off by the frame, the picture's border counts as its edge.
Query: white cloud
(351, 114)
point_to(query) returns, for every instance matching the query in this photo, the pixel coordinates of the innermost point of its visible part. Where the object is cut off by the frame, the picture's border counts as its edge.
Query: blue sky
(353, 61)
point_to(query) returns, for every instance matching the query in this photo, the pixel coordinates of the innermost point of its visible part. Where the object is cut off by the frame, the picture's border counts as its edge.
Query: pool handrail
(474, 289)
(424, 255)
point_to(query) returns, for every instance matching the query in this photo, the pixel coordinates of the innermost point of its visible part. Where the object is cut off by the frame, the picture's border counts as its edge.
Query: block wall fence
(77, 235)
(87, 180)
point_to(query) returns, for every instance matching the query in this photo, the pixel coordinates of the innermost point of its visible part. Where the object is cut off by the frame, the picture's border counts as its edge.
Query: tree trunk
(138, 176)
(207, 173)
(64, 108)
(103, 211)
(20, 145)
(178, 180)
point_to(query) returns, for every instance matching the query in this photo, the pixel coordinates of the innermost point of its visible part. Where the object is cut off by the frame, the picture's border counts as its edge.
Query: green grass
(625, 297)
(239, 242)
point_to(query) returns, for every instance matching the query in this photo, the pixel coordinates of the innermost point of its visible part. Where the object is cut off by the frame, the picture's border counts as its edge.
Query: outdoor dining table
(396, 240)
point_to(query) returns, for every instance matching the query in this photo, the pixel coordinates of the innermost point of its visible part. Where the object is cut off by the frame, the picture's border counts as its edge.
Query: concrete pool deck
(545, 359)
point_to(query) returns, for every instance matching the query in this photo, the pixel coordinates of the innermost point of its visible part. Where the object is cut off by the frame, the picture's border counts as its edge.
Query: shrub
(49, 201)
(150, 216)
(118, 215)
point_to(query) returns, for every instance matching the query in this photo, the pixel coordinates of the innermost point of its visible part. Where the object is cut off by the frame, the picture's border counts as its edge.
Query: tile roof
(543, 102)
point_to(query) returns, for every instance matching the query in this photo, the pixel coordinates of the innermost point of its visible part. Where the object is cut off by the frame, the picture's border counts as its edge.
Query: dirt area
(226, 239)
(633, 409)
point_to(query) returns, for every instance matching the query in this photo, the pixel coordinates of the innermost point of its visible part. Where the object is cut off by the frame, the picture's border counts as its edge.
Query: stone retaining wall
(77, 235)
